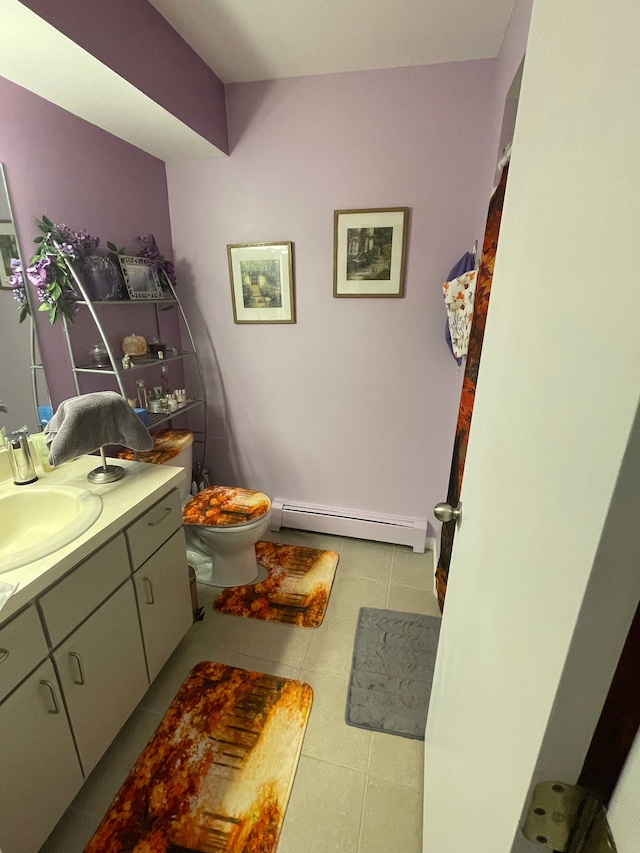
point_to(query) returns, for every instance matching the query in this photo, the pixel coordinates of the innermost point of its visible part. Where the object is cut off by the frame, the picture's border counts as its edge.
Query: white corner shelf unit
(106, 315)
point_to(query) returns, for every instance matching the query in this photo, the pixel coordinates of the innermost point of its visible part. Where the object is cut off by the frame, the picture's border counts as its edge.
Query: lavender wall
(58, 164)
(132, 38)
(354, 406)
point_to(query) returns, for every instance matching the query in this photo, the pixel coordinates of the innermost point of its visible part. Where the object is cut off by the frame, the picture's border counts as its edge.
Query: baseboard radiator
(347, 522)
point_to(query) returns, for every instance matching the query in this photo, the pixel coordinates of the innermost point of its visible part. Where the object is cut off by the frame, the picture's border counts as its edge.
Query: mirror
(21, 386)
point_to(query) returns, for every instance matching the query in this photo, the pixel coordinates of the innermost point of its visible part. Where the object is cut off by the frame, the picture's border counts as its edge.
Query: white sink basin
(37, 520)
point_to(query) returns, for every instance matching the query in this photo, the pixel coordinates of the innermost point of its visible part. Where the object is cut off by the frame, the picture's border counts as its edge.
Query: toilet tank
(170, 447)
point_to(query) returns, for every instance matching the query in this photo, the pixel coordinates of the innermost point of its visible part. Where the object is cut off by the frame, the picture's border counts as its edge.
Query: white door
(544, 575)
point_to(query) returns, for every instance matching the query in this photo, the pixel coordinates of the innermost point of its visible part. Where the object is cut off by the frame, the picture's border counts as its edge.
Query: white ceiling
(243, 40)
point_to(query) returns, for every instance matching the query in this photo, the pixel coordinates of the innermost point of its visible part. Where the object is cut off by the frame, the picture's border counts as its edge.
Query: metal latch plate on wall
(567, 819)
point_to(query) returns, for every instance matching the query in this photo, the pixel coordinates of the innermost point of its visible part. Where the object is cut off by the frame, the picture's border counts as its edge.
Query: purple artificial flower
(170, 271)
(151, 252)
(40, 274)
(16, 281)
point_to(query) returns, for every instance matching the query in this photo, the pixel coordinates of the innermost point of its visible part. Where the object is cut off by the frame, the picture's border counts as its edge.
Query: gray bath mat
(391, 673)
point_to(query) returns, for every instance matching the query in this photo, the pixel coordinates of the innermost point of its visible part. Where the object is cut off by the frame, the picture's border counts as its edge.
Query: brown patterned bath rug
(217, 773)
(296, 591)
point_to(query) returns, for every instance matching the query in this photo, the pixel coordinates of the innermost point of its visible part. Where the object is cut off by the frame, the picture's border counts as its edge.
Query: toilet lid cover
(225, 506)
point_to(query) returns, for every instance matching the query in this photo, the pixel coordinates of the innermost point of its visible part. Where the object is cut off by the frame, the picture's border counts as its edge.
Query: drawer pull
(162, 518)
(56, 707)
(79, 681)
(148, 589)
(4, 654)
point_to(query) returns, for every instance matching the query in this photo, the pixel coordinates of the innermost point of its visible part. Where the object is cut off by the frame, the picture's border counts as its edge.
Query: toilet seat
(225, 506)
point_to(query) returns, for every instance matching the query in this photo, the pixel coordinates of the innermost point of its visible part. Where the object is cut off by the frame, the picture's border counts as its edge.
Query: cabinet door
(22, 648)
(164, 599)
(39, 769)
(103, 674)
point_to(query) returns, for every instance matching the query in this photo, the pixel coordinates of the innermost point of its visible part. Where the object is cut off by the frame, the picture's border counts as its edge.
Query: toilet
(223, 524)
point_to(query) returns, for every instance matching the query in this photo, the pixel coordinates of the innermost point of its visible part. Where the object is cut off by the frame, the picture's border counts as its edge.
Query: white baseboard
(345, 522)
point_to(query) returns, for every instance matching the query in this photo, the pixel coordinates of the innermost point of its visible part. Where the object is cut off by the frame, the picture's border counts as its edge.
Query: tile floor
(355, 791)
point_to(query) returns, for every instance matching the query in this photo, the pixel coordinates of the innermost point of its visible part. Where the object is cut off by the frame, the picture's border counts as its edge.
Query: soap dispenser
(20, 457)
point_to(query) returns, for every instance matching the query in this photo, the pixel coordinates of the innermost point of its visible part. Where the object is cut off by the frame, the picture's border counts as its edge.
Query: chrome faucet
(20, 457)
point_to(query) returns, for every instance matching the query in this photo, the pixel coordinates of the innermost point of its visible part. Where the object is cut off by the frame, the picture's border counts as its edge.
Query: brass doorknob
(445, 512)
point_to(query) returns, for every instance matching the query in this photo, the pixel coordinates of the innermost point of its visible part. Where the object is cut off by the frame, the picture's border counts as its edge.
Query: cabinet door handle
(4, 654)
(56, 707)
(80, 680)
(162, 518)
(148, 589)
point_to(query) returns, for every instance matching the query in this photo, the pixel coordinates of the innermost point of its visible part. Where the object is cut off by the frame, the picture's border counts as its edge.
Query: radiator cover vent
(347, 522)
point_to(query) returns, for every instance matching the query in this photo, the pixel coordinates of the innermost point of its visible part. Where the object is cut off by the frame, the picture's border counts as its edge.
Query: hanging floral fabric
(466, 263)
(459, 296)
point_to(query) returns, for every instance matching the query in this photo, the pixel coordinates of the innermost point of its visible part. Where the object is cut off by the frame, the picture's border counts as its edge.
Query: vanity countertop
(122, 502)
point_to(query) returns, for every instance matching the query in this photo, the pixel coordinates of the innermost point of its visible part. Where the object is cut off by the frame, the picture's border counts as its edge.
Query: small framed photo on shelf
(369, 249)
(140, 278)
(261, 282)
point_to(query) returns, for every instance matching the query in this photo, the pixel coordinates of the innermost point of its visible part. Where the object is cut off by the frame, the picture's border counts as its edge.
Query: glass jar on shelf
(99, 356)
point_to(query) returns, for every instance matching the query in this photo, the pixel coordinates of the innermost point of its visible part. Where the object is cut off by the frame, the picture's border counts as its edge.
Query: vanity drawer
(153, 528)
(84, 589)
(22, 647)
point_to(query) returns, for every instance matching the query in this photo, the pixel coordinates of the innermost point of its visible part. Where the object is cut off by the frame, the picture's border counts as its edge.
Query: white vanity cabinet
(103, 675)
(101, 665)
(39, 769)
(75, 662)
(164, 602)
(164, 599)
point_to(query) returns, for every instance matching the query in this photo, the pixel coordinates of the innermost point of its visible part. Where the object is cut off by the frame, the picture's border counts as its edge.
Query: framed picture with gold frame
(369, 248)
(262, 282)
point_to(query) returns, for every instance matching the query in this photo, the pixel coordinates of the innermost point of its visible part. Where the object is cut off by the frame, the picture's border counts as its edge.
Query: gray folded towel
(84, 424)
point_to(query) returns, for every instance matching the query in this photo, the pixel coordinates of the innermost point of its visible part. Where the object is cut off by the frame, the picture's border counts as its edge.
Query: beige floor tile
(397, 759)
(263, 665)
(392, 818)
(411, 569)
(71, 834)
(103, 784)
(328, 737)
(167, 683)
(216, 630)
(412, 600)
(349, 594)
(286, 644)
(331, 647)
(324, 809)
(287, 536)
(365, 559)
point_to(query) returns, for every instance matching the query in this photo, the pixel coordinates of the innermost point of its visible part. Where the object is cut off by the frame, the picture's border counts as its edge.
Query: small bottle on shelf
(143, 400)
(164, 379)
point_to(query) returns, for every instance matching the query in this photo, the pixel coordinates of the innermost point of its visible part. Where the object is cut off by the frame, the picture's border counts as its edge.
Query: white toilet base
(215, 569)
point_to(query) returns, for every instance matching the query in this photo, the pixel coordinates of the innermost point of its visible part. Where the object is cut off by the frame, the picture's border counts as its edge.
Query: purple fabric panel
(466, 263)
(60, 165)
(133, 39)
